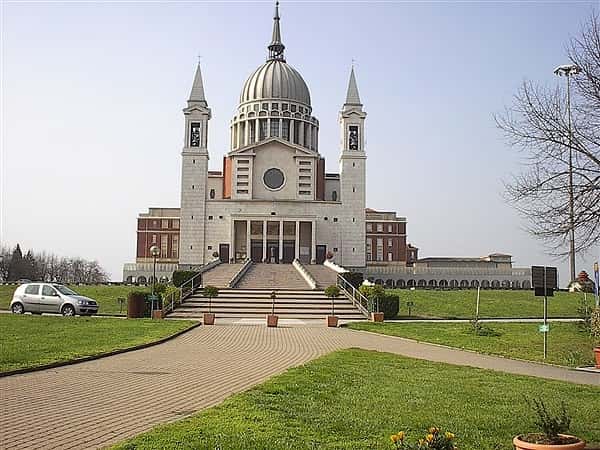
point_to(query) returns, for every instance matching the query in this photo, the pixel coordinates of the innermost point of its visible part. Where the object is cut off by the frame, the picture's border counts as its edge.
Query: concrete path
(97, 403)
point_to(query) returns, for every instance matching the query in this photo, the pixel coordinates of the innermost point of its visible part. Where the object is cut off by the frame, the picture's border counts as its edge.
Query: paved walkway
(96, 403)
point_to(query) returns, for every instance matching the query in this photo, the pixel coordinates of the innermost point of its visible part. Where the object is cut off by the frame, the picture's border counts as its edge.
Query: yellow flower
(421, 442)
(449, 435)
(434, 430)
(429, 437)
(401, 435)
(394, 438)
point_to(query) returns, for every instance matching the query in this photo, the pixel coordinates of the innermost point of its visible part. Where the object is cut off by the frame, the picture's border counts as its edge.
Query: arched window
(334, 196)
(212, 193)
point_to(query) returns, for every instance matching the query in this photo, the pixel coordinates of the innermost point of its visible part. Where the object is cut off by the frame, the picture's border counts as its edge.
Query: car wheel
(68, 311)
(17, 308)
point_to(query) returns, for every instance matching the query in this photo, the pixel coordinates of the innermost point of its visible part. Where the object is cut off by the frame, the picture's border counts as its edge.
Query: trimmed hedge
(389, 305)
(354, 278)
(181, 276)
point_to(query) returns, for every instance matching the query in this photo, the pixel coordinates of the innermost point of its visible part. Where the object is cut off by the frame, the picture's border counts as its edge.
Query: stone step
(323, 275)
(221, 275)
(290, 301)
(262, 315)
(324, 306)
(272, 276)
(319, 312)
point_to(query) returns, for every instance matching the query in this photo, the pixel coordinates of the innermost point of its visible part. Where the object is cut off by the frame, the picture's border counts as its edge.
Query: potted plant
(373, 294)
(332, 292)
(552, 434)
(272, 319)
(210, 292)
(595, 328)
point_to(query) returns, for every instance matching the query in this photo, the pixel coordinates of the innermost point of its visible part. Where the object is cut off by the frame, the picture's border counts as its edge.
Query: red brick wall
(321, 179)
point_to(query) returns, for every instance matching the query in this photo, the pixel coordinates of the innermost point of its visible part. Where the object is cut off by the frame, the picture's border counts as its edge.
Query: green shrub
(160, 289)
(138, 294)
(181, 276)
(389, 305)
(210, 292)
(354, 278)
(332, 291)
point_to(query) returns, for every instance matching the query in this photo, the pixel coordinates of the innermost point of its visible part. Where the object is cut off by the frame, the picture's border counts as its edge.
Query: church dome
(275, 79)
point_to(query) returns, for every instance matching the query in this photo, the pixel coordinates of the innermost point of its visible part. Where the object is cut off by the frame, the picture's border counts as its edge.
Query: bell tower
(353, 161)
(194, 173)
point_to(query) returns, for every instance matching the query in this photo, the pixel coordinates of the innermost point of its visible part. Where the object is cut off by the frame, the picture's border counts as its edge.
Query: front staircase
(256, 303)
(251, 298)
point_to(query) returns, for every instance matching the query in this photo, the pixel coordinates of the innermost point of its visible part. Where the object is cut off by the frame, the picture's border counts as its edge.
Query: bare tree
(537, 124)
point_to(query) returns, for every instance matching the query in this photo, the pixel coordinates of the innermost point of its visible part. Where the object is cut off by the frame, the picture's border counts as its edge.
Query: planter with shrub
(552, 431)
(272, 319)
(209, 292)
(332, 292)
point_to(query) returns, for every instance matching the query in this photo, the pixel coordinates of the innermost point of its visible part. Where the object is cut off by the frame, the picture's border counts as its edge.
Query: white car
(38, 298)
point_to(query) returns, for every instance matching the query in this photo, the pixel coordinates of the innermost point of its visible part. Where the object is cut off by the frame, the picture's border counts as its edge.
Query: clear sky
(92, 94)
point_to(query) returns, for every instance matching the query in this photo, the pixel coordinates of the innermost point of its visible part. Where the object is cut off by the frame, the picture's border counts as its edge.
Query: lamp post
(155, 252)
(568, 70)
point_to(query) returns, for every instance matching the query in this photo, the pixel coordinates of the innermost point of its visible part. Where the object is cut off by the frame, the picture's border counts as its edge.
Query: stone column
(280, 240)
(297, 243)
(268, 133)
(309, 137)
(313, 250)
(301, 133)
(292, 130)
(264, 241)
(231, 240)
(248, 240)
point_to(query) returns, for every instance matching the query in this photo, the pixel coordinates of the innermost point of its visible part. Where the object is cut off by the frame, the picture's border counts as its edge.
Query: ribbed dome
(275, 79)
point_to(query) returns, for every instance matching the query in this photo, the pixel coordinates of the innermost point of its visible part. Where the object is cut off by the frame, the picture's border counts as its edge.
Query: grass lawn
(29, 341)
(105, 295)
(355, 399)
(500, 303)
(568, 345)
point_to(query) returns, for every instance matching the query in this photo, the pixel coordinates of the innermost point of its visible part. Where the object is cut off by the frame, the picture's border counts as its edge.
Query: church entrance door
(256, 251)
(289, 248)
(224, 253)
(321, 253)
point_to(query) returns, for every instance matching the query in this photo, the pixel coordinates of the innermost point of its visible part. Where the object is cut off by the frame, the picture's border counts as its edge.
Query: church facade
(273, 201)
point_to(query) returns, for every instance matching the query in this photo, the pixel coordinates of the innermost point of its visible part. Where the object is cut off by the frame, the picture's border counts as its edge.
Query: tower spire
(276, 47)
(197, 92)
(352, 97)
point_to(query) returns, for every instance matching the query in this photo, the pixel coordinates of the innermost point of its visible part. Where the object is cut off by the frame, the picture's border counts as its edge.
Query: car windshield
(65, 290)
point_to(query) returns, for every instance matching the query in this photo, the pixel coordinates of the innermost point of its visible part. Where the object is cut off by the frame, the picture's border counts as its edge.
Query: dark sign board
(544, 280)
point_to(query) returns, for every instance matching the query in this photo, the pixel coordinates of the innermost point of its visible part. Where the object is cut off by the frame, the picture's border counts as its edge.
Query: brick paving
(97, 403)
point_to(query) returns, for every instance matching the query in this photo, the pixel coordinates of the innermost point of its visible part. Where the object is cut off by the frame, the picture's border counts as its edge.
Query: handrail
(240, 273)
(304, 273)
(362, 303)
(187, 288)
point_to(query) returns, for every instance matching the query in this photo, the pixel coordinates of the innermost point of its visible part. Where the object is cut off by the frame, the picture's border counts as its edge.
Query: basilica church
(273, 202)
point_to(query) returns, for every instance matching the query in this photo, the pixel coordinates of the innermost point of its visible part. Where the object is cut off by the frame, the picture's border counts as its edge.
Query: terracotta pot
(522, 445)
(376, 317)
(272, 320)
(597, 353)
(209, 319)
(158, 314)
(332, 321)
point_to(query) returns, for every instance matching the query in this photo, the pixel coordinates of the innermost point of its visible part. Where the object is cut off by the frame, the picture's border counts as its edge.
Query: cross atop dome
(276, 47)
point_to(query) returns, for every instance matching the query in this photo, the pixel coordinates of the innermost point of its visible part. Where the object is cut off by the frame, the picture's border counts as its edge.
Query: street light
(155, 252)
(568, 70)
